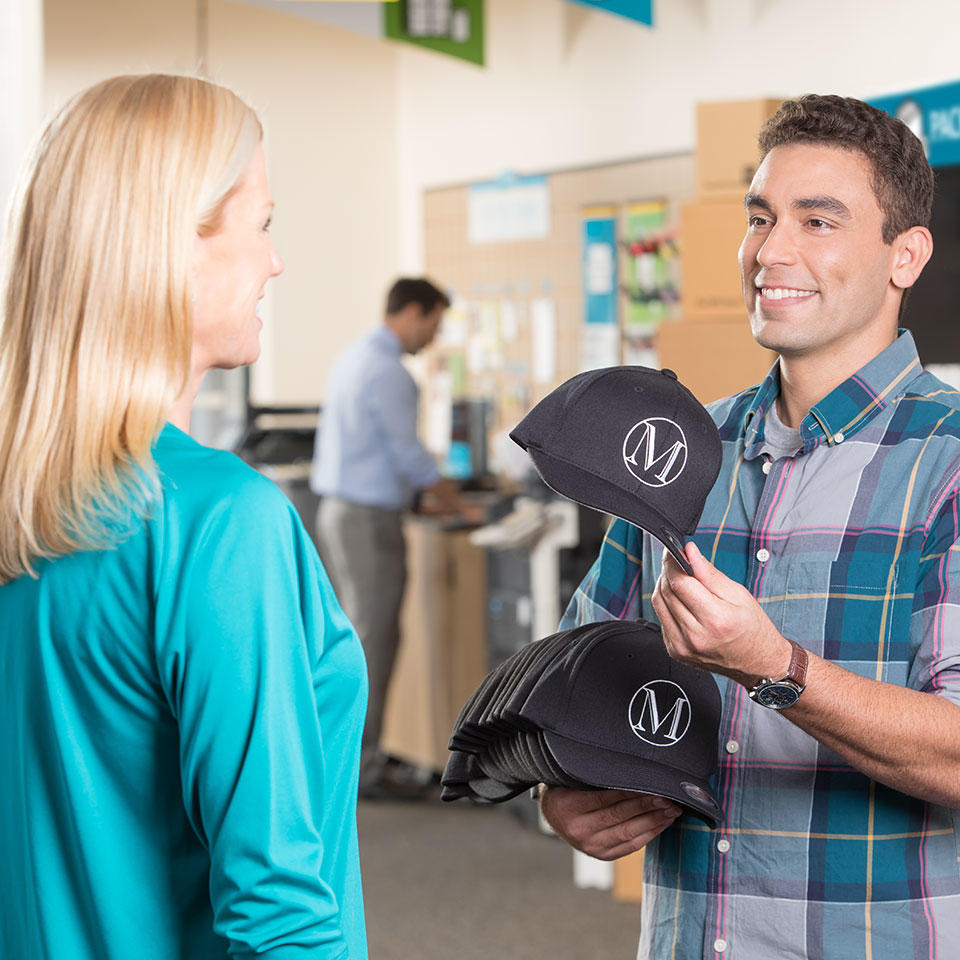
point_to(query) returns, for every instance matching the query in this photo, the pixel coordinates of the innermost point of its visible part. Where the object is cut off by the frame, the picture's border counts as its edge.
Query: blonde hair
(96, 324)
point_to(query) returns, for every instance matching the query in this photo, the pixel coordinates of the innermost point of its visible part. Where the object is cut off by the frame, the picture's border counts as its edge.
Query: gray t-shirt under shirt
(781, 440)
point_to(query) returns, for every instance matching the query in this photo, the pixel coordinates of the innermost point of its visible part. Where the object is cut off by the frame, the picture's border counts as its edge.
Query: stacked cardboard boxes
(711, 348)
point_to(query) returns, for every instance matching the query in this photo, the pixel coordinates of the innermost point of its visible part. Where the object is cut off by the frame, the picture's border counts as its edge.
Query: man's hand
(606, 824)
(440, 498)
(474, 514)
(711, 622)
(445, 499)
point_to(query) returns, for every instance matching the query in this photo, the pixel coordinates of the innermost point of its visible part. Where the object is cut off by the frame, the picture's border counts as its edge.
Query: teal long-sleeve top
(181, 721)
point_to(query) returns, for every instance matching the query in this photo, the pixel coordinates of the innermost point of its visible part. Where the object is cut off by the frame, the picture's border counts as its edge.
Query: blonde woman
(181, 697)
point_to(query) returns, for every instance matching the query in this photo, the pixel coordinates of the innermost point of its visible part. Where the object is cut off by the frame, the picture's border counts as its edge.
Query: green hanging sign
(454, 27)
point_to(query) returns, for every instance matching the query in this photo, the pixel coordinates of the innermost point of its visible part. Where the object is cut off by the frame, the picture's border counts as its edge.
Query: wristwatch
(783, 693)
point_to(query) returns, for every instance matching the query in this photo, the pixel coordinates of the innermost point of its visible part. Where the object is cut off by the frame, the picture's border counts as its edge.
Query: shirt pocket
(849, 611)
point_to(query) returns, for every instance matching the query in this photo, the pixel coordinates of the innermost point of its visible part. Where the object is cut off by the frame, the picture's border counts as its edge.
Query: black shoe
(398, 790)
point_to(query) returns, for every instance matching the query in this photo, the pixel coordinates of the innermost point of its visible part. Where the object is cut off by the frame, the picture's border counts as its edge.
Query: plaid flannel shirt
(851, 546)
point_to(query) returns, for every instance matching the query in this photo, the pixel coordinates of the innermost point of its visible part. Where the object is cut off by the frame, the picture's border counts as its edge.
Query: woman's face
(231, 270)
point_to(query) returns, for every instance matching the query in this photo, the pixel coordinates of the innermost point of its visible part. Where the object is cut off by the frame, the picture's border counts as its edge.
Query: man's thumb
(704, 570)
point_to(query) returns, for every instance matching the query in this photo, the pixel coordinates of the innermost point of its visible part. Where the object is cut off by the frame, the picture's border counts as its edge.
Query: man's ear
(912, 249)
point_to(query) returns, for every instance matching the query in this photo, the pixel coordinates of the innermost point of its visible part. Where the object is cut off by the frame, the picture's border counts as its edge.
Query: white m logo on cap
(655, 451)
(660, 713)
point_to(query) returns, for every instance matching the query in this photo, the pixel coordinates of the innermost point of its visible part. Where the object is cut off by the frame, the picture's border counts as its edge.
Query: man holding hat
(825, 589)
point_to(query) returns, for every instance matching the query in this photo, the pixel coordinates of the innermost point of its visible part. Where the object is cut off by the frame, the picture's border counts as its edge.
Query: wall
(327, 98)
(327, 101)
(358, 127)
(87, 40)
(21, 80)
(565, 85)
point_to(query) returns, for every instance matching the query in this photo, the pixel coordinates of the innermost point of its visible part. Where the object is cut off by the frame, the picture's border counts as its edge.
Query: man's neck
(805, 379)
(396, 328)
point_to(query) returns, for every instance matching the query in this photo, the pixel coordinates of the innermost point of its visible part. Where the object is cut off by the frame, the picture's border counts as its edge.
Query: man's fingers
(631, 806)
(615, 804)
(676, 604)
(683, 591)
(670, 564)
(578, 802)
(662, 609)
(569, 812)
(717, 583)
(637, 843)
(599, 821)
(675, 637)
(706, 584)
(629, 835)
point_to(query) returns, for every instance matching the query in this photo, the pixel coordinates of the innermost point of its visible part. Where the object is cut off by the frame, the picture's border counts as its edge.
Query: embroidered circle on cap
(660, 713)
(697, 793)
(655, 451)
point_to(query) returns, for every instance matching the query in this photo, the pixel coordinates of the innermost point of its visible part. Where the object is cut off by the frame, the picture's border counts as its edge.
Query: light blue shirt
(367, 450)
(181, 722)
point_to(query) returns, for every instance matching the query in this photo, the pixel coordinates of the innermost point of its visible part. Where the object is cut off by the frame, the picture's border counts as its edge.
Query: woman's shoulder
(203, 478)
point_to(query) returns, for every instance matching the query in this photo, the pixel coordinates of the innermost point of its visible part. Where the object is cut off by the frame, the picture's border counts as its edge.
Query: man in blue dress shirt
(369, 466)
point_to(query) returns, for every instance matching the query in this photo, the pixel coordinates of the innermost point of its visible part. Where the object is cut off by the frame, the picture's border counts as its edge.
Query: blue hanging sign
(599, 260)
(933, 114)
(639, 10)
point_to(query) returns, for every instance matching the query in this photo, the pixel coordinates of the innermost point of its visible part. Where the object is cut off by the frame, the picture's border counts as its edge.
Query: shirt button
(763, 555)
(732, 746)
(719, 945)
(838, 438)
(723, 845)
(767, 464)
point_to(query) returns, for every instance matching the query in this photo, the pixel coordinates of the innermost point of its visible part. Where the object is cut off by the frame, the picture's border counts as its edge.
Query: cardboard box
(628, 878)
(710, 236)
(727, 155)
(443, 653)
(713, 358)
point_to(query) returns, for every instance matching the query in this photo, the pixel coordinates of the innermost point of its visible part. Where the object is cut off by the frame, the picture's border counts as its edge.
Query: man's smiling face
(816, 273)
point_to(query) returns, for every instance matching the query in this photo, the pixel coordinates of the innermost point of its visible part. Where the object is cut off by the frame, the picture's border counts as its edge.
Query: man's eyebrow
(831, 204)
(756, 200)
(825, 202)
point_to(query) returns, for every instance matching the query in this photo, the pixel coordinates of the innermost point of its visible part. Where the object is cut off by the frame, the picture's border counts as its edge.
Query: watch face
(778, 695)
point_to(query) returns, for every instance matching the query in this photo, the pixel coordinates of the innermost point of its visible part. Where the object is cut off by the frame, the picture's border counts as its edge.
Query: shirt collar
(846, 409)
(385, 338)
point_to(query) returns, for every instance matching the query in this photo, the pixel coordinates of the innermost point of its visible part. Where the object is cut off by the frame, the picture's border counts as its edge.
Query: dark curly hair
(902, 178)
(419, 290)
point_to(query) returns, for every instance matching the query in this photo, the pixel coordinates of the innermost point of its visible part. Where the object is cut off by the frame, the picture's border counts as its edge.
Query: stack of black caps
(599, 706)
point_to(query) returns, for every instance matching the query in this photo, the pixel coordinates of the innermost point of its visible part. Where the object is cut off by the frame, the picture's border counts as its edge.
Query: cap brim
(577, 484)
(612, 770)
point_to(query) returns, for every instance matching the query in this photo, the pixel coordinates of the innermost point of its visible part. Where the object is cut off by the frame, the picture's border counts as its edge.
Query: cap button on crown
(669, 373)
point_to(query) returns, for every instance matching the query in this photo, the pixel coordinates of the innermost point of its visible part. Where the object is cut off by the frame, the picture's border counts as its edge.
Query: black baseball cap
(631, 441)
(623, 714)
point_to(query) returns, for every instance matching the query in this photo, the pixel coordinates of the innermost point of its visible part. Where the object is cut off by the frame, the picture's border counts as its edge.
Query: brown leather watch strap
(798, 664)
(797, 671)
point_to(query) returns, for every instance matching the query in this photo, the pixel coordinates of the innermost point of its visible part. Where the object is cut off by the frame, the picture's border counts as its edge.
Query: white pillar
(21, 87)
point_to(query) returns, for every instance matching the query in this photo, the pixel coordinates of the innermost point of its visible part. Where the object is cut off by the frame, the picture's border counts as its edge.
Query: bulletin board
(508, 295)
